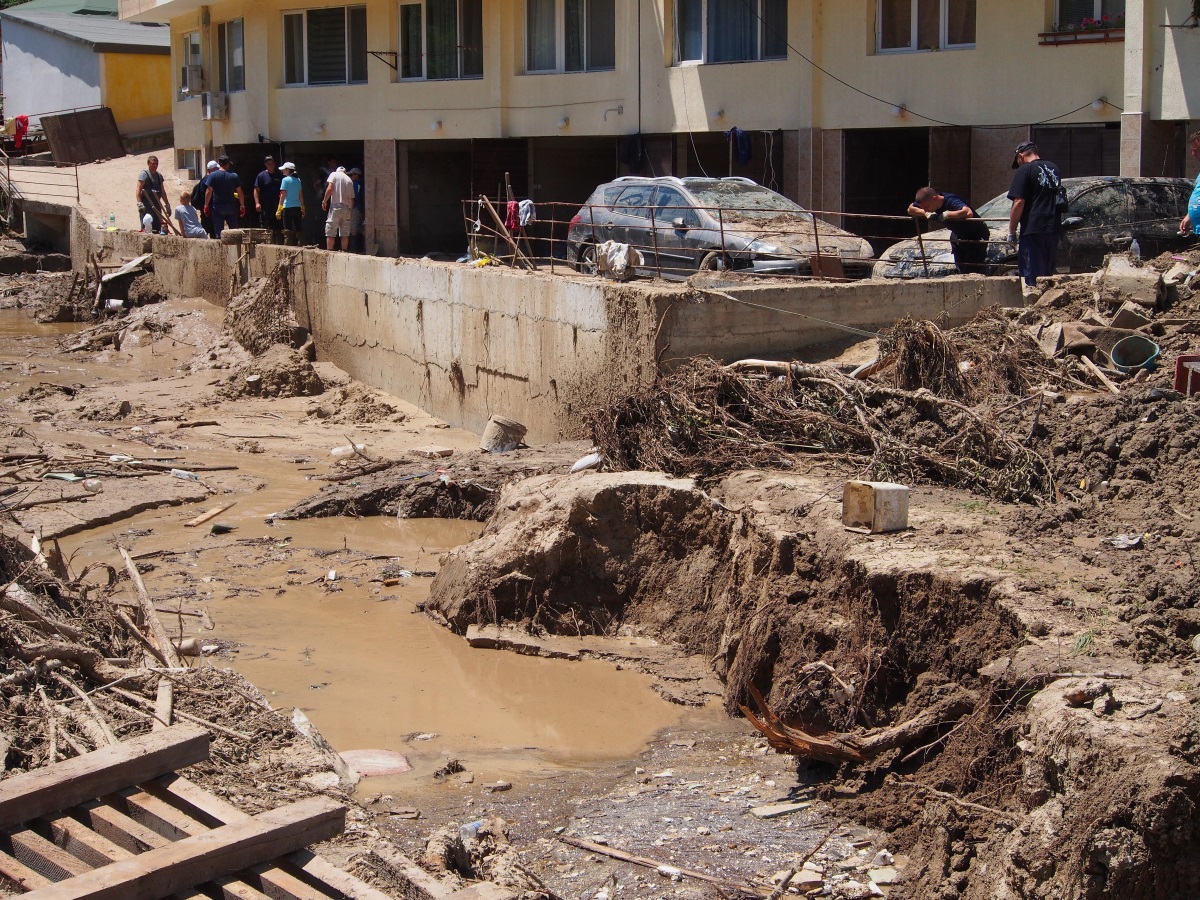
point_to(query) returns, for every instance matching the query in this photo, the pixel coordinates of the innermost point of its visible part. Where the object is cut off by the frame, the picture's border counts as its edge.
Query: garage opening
(883, 169)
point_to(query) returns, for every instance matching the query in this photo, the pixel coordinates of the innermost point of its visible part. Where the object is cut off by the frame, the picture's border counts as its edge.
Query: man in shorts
(339, 204)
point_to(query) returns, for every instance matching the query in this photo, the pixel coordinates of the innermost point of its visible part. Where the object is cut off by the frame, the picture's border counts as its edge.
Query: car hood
(796, 241)
(904, 260)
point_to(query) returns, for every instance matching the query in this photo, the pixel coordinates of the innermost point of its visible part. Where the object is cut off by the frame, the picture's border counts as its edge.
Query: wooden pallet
(120, 823)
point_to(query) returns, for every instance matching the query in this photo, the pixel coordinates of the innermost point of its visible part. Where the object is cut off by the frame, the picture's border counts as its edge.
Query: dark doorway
(439, 180)
(883, 168)
(1081, 150)
(565, 173)
(709, 155)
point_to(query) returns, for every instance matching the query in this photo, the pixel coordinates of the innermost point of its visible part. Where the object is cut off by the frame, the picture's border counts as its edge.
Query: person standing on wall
(149, 195)
(1038, 204)
(338, 202)
(199, 193)
(224, 200)
(358, 214)
(266, 197)
(291, 206)
(968, 233)
(1191, 222)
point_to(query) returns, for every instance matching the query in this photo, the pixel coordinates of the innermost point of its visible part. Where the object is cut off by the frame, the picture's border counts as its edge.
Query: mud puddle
(353, 652)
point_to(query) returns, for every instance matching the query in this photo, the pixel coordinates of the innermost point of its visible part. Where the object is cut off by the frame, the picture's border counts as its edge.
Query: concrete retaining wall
(464, 343)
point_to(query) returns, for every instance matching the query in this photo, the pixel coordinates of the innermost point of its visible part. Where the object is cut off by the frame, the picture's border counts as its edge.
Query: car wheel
(712, 262)
(587, 260)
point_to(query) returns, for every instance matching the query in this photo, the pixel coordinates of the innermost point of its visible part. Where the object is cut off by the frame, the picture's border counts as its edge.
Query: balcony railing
(1090, 36)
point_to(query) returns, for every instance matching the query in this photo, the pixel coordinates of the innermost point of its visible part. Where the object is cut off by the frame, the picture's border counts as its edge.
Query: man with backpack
(199, 193)
(1039, 201)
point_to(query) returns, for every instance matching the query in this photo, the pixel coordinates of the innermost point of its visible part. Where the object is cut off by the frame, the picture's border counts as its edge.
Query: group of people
(218, 202)
(1035, 221)
(1038, 203)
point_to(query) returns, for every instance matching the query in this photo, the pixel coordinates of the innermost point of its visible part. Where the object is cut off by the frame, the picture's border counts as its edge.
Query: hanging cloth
(22, 127)
(512, 218)
(526, 212)
(743, 149)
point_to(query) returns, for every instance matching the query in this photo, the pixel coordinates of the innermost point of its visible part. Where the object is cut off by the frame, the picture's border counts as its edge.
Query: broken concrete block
(373, 763)
(483, 890)
(431, 452)
(1121, 281)
(874, 507)
(1130, 316)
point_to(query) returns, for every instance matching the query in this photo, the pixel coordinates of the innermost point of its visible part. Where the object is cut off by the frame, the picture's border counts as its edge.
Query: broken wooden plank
(164, 704)
(1095, 370)
(214, 807)
(195, 860)
(204, 517)
(56, 787)
(157, 630)
(39, 854)
(624, 856)
(128, 267)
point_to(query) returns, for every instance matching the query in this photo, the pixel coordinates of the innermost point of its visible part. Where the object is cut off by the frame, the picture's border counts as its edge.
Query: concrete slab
(79, 511)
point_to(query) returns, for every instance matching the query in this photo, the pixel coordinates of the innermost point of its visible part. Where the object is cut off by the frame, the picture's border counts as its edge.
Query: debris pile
(262, 315)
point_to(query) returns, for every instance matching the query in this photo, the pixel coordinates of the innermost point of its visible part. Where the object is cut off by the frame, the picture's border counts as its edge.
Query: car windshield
(996, 208)
(741, 201)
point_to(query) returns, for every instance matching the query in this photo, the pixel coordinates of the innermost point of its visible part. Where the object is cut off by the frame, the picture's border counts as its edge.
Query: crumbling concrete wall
(465, 343)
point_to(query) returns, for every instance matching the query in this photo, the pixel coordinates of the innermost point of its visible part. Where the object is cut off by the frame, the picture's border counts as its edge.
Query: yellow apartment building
(848, 105)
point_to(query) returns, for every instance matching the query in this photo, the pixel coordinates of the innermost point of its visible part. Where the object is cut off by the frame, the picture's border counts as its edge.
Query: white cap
(212, 164)
(289, 165)
(341, 168)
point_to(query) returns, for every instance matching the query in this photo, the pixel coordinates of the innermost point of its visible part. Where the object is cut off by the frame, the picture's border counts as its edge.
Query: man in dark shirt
(968, 233)
(224, 201)
(266, 197)
(199, 193)
(1035, 194)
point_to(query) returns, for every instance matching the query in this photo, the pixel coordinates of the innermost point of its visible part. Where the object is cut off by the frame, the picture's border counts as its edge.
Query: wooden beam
(20, 874)
(81, 841)
(56, 787)
(157, 631)
(151, 806)
(42, 856)
(205, 516)
(195, 860)
(221, 810)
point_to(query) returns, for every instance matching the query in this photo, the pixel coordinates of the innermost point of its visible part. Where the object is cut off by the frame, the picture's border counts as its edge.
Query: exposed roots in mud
(706, 419)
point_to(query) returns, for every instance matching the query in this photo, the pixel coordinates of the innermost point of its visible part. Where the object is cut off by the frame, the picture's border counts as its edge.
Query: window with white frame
(718, 31)
(924, 25)
(570, 35)
(189, 57)
(1073, 15)
(231, 56)
(441, 39)
(325, 46)
(190, 159)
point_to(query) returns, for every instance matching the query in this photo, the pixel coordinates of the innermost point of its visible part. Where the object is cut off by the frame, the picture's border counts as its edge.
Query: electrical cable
(752, 7)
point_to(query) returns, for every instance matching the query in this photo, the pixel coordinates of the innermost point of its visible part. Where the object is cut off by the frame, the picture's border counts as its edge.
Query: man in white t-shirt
(339, 203)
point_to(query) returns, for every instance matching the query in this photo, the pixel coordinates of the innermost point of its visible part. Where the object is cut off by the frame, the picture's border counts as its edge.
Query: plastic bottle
(112, 220)
(347, 450)
(1135, 249)
(470, 831)
(185, 475)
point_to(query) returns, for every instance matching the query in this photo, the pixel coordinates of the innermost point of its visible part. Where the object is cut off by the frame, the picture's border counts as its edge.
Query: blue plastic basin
(1134, 352)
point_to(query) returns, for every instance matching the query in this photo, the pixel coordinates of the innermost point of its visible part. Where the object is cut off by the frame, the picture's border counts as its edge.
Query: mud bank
(1016, 793)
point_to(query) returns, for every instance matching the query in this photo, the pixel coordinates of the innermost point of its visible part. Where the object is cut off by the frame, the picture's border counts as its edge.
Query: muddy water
(355, 655)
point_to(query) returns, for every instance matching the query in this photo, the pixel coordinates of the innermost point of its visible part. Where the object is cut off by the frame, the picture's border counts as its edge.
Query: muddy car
(1104, 215)
(685, 225)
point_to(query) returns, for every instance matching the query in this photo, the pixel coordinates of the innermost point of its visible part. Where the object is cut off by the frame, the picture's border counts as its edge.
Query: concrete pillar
(1136, 102)
(382, 224)
(830, 191)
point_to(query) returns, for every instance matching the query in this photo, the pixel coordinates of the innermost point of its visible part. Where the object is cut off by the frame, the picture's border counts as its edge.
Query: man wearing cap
(224, 200)
(358, 213)
(199, 192)
(1035, 196)
(266, 197)
(338, 202)
(968, 233)
(291, 206)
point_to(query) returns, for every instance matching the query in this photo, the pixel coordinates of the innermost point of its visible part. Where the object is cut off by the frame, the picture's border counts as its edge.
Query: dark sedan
(682, 225)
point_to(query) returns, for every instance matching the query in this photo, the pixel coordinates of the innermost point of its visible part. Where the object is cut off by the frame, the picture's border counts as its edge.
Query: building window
(231, 56)
(1073, 15)
(570, 35)
(717, 31)
(924, 25)
(325, 46)
(189, 59)
(441, 39)
(189, 159)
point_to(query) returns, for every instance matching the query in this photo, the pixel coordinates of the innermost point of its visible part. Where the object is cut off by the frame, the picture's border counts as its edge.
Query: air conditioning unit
(191, 79)
(214, 105)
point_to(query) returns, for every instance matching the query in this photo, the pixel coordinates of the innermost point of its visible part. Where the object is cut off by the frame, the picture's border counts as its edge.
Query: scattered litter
(1124, 541)
(498, 787)
(774, 810)
(221, 528)
(184, 474)
(590, 461)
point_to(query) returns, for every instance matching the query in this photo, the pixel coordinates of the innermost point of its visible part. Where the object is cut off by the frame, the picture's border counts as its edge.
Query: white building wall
(45, 73)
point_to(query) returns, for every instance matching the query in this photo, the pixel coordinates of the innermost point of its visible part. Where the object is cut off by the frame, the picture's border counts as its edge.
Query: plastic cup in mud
(92, 485)
(347, 450)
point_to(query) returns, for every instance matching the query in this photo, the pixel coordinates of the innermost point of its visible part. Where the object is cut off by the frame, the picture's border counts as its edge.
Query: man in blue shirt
(224, 200)
(291, 206)
(1191, 222)
(1034, 193)
(266, 197)
(968, 233)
